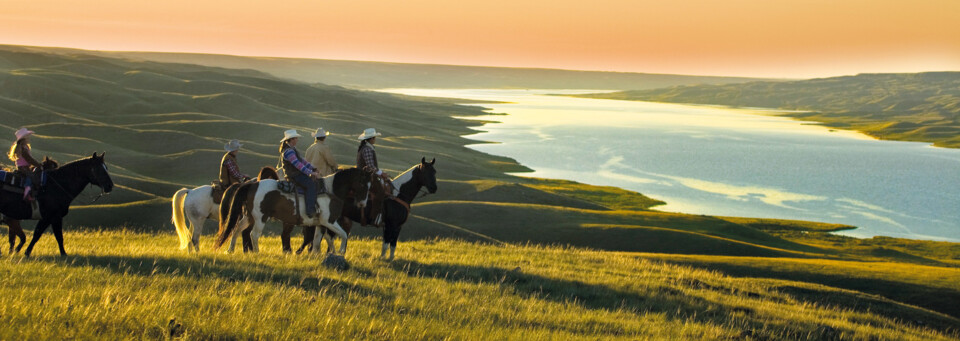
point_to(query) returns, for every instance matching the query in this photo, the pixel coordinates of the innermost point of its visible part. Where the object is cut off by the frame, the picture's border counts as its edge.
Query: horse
(197, 205)
(14, 230)
(63, 185)
(262, 200)
(396, 208)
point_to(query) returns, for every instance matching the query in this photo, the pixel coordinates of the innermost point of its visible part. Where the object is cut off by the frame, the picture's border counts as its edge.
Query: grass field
(594, 262)
(121, 284)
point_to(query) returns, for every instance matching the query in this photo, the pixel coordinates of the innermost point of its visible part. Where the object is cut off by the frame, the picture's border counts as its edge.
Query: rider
(297, 170)
(367, 159)
(319, 154)
(20, 154)
(229, 171)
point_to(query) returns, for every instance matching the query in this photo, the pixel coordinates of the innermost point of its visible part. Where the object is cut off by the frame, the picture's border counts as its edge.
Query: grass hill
(908, 107)
(595, 262)
(380, 75)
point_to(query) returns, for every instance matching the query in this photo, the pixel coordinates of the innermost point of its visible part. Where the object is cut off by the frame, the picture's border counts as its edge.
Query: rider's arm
(304, 167)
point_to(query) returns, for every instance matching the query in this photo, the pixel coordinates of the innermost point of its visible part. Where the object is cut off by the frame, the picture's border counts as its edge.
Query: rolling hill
(380, 75)
(163, 126)
(909, 107)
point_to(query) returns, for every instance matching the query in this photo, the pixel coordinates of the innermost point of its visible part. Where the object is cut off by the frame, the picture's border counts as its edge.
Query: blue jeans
(307, 183)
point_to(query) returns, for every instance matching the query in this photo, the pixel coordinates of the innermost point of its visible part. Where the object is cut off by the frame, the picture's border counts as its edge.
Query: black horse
(14, 230)
(396, 208)
(63, 185)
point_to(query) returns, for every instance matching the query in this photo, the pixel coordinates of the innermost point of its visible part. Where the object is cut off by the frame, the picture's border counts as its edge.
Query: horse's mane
(405, 172)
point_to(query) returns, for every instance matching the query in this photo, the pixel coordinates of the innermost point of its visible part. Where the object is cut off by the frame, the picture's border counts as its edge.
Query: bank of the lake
(730, 162)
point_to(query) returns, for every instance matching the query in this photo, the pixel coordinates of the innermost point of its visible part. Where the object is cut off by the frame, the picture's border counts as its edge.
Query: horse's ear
(94, 156)
(423, 160)
(102, 154)
(433, 161)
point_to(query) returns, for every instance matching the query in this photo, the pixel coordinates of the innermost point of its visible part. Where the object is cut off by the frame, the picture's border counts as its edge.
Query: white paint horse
(196, 206)
(259, 201)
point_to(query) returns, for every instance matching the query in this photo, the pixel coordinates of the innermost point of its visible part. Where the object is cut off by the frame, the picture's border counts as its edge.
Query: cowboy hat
(368, 133)
(289, 134)
(23, 132)
(232, 146)
(321, 133)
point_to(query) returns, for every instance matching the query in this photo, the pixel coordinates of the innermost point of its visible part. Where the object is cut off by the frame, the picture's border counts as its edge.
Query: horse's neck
(68, 178)
(401, 180)
(407, 190)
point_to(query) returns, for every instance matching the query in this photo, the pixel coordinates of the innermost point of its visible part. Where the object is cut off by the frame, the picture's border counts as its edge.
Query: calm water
(719, 161)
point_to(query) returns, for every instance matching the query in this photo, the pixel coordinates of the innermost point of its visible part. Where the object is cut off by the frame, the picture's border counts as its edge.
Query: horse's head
(361, 187)
(428, 175)
(98, 174)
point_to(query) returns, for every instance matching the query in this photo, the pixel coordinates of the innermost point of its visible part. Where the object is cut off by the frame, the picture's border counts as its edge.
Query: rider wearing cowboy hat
(367, 156)
(20, 155)
(229, 171)
(319, 154)
(298, 170)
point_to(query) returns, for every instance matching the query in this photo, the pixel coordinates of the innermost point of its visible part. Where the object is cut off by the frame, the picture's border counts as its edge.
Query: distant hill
(911, 107)
(380, 75)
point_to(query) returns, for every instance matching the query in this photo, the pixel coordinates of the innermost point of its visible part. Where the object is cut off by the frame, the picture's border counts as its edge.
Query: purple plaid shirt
(292, 158)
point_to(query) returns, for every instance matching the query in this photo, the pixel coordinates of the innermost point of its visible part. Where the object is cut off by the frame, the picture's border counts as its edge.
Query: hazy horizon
(746, 38)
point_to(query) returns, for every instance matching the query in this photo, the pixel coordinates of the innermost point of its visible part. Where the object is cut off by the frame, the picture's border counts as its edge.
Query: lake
(723, 161)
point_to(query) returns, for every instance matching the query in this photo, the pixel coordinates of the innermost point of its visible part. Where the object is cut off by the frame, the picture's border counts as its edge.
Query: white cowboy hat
(232, 146)
(368, 133)
(321, 133)
(23, 132)
(289, 134)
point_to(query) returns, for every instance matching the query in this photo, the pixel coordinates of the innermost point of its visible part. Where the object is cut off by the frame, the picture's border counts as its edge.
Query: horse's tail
(230, 216)
(179, 218)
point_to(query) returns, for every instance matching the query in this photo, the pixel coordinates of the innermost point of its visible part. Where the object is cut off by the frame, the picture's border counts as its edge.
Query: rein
(55, 182)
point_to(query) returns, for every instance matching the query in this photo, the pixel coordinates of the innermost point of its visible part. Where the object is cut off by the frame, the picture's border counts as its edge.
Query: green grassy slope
(163, 127)
(379, 75)
(910, 107)
(131, 285)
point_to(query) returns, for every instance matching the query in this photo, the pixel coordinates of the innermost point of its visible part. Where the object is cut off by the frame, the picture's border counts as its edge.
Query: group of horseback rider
(305, 170)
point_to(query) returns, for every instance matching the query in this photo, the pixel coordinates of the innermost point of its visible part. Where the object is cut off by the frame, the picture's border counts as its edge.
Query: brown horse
(262, 200)
(197, 205)
(14, 230)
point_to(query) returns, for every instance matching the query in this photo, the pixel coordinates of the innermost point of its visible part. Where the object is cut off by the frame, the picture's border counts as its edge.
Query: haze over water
(732, 162)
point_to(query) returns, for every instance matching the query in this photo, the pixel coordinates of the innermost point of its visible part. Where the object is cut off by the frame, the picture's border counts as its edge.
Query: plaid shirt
(234, 170)
(367, 157)
(292, 158)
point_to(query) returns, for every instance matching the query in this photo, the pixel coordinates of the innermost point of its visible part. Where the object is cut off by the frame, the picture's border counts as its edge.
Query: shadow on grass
(231, 270)
(940, 300)
(666, 300)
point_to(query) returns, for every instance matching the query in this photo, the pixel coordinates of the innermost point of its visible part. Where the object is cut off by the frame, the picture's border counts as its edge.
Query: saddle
(217, 192)
(16, 181)
(292, 187)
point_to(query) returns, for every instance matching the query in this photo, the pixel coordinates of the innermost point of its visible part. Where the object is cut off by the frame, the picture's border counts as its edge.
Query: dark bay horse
(63, 185)
(192, 207)
(262, 200)
(14, 230)
(396, 208)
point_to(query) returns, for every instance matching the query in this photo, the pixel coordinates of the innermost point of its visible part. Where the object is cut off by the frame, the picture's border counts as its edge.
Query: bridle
(94, 175)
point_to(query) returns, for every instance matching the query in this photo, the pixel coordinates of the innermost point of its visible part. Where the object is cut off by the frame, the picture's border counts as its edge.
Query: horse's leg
(10, 234)
(328, 236)
(308, 232)
(255, 232)
(197, 224)
(247, 242)
(16, 227)
(37, 232)
(285, 237)
(335, 227)
(58, 233)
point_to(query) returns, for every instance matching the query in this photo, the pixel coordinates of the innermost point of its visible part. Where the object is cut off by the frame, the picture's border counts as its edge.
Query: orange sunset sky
(790, 38)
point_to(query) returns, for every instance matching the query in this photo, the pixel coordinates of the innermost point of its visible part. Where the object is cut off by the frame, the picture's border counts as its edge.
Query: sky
(757, 38)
